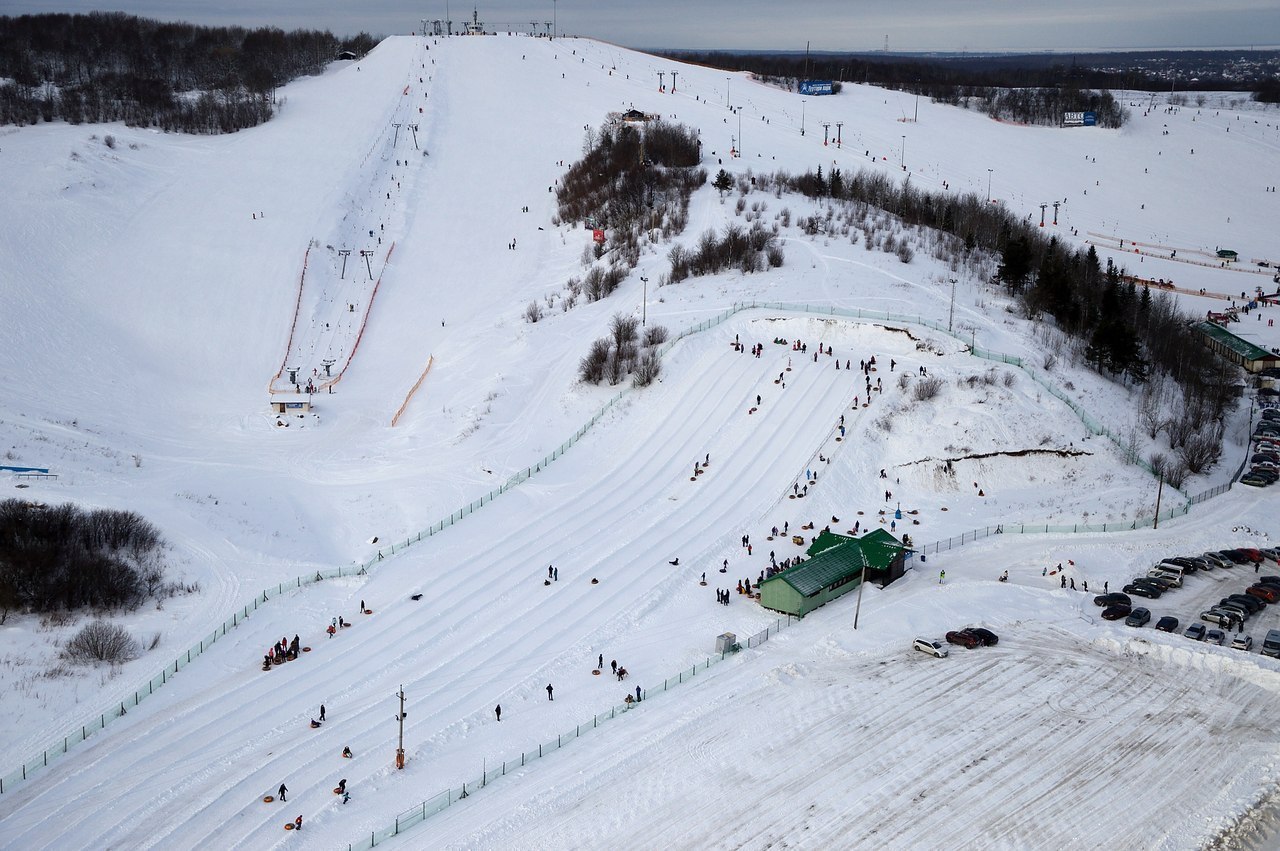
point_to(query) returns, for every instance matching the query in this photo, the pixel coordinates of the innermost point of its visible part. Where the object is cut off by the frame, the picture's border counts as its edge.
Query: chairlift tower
(344, 253)
(366, 254)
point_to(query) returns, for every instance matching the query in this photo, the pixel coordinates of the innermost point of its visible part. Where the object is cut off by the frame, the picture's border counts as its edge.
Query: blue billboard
(815, 87)
(1079, 119)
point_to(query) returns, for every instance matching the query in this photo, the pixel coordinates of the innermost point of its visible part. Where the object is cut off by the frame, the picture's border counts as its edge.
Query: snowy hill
(157, 290)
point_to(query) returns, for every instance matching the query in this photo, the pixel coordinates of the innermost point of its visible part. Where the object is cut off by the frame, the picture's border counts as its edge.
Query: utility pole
(951, 313)
(366, 254)
(989, 184)
(344, 253)
(825, 126)
(801, 117)
(916, 119)
(644, 302)
(661, 87)
(839, 140)
(673, 82)
(739, 131)
(400, 719)
(726, 90)
(1155, 524)
(902, 161)
(414, 129)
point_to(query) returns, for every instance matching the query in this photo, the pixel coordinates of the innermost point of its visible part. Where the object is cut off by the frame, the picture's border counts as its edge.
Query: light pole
(726, 90)
(553, 20)
(802, 118)
(989, 184)
(400, 719)
(644, 301)
(739, 131)
(916, 119)
(952, 311)
(902, 161)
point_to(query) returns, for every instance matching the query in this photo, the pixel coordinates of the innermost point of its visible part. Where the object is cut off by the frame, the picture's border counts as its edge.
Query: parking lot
(1203, 589)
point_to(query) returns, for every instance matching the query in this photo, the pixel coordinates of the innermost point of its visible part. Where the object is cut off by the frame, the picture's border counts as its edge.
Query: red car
(1269, 593)
(964, 638)
(1115, 613)
(1252, 554)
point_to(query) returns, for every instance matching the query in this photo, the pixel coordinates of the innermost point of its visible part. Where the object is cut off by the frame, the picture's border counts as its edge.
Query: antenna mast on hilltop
(886, 42)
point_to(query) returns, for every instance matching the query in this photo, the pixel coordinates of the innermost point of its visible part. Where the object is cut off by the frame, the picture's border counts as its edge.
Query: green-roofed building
(834, 567)
(1252, 357)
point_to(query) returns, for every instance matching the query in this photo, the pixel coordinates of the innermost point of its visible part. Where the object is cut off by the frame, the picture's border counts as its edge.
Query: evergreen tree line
(109, 66)
(63, 557)
(1124, 331)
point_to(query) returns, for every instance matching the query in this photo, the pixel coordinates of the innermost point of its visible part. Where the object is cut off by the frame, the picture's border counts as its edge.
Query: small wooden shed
(290, 403)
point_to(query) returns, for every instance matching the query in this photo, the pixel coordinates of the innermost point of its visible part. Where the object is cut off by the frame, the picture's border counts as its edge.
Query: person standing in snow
(342, 785)
(281, 791)
(549, 692)
(322, 712)
(942, 574)
(297, 823)
(637, 694)
(600, 660)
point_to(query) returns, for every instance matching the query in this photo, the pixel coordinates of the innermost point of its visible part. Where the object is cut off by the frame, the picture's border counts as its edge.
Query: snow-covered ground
(152, 296)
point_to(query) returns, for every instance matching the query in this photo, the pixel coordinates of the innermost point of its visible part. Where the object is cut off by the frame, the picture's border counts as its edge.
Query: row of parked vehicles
(969, 637)
(1264, 464)
(1231, 612)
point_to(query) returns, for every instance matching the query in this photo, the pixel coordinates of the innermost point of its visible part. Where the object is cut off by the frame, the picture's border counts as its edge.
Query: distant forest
(109, 66)
(1029, 89)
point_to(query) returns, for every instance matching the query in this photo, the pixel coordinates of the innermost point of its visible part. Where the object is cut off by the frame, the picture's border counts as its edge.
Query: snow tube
(268, 799)
(306, 650)
(337, 791)
(595, 673)
(368, 611)
(288, 825)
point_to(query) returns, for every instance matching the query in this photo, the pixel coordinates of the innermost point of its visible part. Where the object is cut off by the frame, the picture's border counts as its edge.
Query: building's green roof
(1238, 345)
(839, 561)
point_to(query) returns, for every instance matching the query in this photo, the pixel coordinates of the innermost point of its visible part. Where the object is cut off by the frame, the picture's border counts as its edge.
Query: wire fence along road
(119, 707)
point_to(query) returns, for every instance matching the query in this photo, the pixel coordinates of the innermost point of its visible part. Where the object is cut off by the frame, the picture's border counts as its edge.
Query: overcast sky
(845, 25)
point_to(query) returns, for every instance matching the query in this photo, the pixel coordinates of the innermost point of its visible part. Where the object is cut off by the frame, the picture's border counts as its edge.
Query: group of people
(283, 650)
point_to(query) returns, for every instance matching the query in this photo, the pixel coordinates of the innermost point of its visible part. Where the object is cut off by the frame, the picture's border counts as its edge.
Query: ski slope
(144, 341)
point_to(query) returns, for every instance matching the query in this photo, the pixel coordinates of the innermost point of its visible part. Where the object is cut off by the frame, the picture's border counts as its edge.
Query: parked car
(1114, 598)
(1220, 618)
(1271, 644)
(1236, 556)
(1250, 602)
(1270, 553)
(1168, 623)
(1185, 563)
(1195, 632)
(964, 638)
(1254, 481)
(1162, 572)
(1253, 554)
(1242, 642)
(1201, 562)
(1237, 614)
(927, 645)
(1218, 559)
(1269, 593)
(1115, 613)
(1165, 583)
(1138, 617)
(1268, 580)
(989, 638)
(1215, 636)
(1148, 591)
(1262, 471)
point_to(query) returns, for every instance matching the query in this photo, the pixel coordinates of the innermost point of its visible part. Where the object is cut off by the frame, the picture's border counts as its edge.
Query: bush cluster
(624, 352)
(633, 182)
(738, 248)
(64, 557)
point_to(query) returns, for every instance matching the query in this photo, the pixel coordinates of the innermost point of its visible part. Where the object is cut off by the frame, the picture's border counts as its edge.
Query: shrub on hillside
(100, 641)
